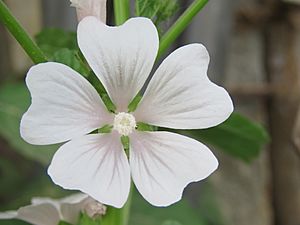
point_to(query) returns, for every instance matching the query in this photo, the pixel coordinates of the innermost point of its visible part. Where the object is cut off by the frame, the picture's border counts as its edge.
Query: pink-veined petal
(8, 215)
(69, 207)
(181, 96)
(38, 214)
(122, 57)
(86, 8)
(64, 105)
(163, 163)
(95, 164)
(41, 214)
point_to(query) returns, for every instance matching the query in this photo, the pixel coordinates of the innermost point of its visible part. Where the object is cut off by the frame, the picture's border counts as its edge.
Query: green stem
(116, 216)
(121, 11)
(12, 24)
(178, 27)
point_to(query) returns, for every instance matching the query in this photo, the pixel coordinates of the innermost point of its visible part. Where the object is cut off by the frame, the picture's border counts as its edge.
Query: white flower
(47, 211)
(65, 107)
(86, 8)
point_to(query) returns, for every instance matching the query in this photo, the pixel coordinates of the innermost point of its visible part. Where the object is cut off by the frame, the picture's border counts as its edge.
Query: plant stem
(12, 24)
(178, 27)
(116, 216)
(121, 11)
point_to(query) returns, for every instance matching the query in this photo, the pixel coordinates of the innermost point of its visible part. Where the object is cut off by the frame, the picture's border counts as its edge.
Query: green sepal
(145, 127)
(126, 144)
(94, 80)
(134, 103)
(105, 129)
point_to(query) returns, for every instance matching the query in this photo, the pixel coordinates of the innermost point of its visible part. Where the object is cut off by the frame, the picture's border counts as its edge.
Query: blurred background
(255, 53)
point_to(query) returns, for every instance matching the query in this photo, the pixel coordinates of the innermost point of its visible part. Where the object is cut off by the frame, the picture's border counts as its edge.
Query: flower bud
(94, 209)
(85, 8)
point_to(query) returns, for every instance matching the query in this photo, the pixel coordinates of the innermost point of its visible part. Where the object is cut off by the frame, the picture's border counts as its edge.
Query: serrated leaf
(14, 101)
(237, 136)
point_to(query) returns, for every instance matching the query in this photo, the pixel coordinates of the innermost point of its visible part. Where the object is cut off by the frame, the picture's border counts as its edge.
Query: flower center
(124, 123)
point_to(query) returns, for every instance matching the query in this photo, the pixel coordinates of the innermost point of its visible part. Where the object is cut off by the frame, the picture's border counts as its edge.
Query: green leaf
(63, 223)
(14, 101)
(171, 222)
(146, 214)
(61, 46)
(86, 220)
(237, 136)
(13, 222)
(51, 40)
(156, 10)
(72, 59)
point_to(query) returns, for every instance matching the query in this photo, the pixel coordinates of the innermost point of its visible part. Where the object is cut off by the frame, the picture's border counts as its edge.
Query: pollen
(124, 123)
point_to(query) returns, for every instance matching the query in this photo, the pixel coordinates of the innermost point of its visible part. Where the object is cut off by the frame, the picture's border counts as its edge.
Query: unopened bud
(96, 8)
(94, 209)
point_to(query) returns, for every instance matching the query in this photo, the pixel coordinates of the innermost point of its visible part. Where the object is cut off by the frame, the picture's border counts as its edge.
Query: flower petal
(8, 215)
(86, 8)
(181, 96)
(94, 164)
(41, 214)
(43, 200)
(64, 105)
(71, 206)
(163, 163)
(122, 57)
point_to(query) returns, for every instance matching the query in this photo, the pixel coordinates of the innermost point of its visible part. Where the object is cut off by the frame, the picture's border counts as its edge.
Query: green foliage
(237, 136)
(51, 40)
(181, 213)
(171, 222)
(61, 46)
(158, 11)
(64, 223)
(14, 100)
(116, 216)
(72, 59)
(13, 222)
(86, 220)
